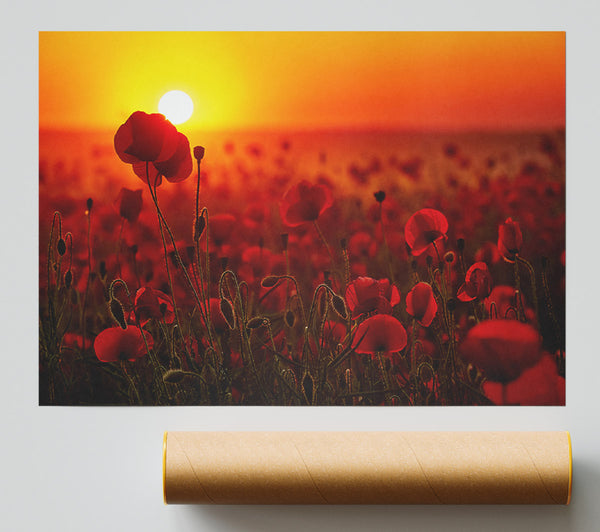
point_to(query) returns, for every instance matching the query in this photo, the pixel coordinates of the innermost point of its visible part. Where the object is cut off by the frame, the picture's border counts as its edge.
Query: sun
(177, 106)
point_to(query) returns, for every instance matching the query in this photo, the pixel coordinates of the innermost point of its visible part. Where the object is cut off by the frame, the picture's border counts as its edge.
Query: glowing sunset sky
(408, 80)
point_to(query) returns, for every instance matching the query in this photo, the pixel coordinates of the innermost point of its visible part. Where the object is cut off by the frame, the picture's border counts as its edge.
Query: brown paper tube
(367, 467)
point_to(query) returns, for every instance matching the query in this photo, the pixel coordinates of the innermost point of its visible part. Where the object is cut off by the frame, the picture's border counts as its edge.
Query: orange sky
(408, 80)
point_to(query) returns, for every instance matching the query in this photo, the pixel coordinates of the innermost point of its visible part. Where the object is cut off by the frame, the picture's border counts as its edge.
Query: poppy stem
(385, 243)
(533, 283)
(550, 308)
(87, 282)
(518, 302)
(118, 250)
(132, 386)
(385, 377)
(161, 220)
(322, 237)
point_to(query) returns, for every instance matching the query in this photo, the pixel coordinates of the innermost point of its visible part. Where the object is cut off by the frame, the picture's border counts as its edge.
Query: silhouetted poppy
(304, 203)
(130, 204)
(146, 137)
(421, 304)
(510, 239)
(176, 168)
(151, 303)
(540, 385)
(424, 228)
(478, 283)
(503, 349)
(151, 140)
(115, 344)
(381, 333)
(365, 295)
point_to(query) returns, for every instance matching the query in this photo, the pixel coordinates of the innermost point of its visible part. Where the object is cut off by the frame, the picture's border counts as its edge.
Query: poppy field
(349, 268)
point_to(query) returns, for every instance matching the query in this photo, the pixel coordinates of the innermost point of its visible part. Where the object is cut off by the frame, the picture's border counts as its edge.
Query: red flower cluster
(150, 303)
(478, 283)
(380, 334)
(115, 344)
(365, 295)
(425, 229)
(304, 203)
(421, 304)
(154, 148)
(503, 349)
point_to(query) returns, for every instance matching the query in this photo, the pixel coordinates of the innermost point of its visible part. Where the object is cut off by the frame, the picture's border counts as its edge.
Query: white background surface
(99, 469)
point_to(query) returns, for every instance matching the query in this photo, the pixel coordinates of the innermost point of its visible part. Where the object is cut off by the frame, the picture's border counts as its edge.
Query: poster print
(300, 218)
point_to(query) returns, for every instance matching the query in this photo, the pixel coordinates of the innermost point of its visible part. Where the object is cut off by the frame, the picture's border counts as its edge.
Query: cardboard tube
(367, 467)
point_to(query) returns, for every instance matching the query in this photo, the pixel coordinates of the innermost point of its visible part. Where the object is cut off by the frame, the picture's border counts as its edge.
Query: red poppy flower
(130, 204)
(304, 203)
(504, 299)
(503, 349)
(151, 140)
(510, 239)
(423, 229)
(115, 344)
(150, 303)
(540, 385)
(421, 304)
(365, 295)
(146, 137)
(381, 333)
(478, 283)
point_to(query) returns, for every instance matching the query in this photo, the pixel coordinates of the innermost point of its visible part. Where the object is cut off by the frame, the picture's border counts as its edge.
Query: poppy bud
(339, 305)
(61, 247)
(134, 249)
(308, 387)
(89, 203)
(103, 271)
(460, 244)
(379, 196)
(116, 310)
(290, 318)
(510, 239)
(227, 311)
(449, 257)
(198, 152)
(173, 376)
(255, 323)
(284, 241)
(68, 278)
(199, 226)
(269, 281)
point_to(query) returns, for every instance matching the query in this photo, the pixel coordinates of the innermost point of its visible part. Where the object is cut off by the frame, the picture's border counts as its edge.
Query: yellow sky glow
(411, 80)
